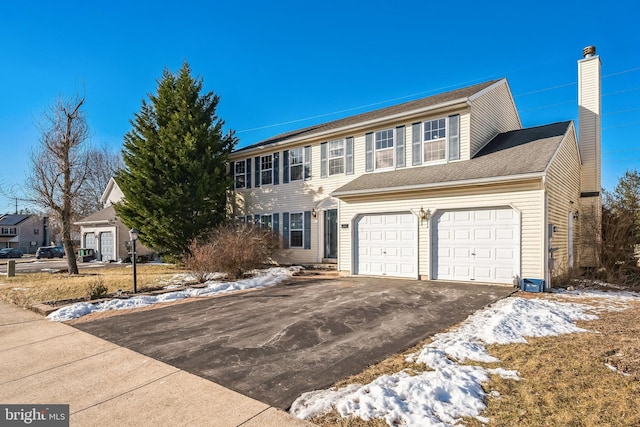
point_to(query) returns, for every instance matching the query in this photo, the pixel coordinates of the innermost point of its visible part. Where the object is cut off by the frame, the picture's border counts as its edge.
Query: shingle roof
(519, 152)
(13, 219)
(458, 94)
(100, 216)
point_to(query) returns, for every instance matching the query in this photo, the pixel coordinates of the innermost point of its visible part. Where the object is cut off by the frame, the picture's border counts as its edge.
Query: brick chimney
(589, 136)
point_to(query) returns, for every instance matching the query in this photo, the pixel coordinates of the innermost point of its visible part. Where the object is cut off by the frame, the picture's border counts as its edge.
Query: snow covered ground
(441, 396)
(260, 279)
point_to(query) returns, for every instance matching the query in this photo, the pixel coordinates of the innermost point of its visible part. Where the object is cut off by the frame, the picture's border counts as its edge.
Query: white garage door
(477, 245)
(106, 246)
(387, 245)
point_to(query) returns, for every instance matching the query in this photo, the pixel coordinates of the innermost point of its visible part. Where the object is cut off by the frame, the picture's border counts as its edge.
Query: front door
(331, 233)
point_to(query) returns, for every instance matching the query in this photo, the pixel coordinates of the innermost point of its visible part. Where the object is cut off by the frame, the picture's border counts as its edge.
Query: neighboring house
(24, 232)
(105, 233)
(449, 187)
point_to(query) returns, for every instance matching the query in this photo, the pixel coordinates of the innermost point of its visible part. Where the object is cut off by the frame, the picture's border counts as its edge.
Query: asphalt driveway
(276, 343)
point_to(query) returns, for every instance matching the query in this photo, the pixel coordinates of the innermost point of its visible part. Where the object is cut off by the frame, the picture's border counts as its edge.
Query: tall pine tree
(175, 156)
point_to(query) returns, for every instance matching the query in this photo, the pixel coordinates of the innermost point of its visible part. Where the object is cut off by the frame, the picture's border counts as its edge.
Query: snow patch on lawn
(450, 391)
(260, 279)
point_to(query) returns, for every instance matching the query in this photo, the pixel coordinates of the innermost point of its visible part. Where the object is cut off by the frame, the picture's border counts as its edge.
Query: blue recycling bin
(532, 285)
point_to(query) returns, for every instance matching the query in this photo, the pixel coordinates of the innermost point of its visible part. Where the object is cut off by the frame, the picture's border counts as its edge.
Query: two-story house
(448, 187)
(24, 232)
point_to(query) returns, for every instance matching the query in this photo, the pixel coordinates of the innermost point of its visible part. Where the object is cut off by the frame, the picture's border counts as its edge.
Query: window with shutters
(266, 222)
(296, 230)
(266, 169)
(296, 164)
(384, 148)
(336, 157)
(240, 174)
(434, 140)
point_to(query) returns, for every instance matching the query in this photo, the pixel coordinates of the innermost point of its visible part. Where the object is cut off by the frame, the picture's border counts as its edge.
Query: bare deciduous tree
(103, 164)
(59, 167)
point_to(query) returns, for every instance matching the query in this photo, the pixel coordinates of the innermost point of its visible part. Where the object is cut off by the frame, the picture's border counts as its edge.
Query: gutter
(97, 222)
(460, 183)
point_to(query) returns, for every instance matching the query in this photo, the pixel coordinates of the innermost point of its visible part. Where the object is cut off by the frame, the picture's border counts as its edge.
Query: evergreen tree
(175, 156)
(626, 202)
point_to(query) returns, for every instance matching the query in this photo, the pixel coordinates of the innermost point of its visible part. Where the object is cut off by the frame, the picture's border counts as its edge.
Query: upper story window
(434, 140)
(296, 164)
(384, 148)
(266, 169)
(240, 174)
(336, 157)
(36, 231)
(11, 230)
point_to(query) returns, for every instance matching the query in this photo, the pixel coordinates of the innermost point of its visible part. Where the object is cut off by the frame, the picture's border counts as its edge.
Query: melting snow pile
(451, 391)
(261, 279)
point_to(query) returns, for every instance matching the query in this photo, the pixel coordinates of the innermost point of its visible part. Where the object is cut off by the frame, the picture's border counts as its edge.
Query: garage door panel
(387, 245)
(480, 245)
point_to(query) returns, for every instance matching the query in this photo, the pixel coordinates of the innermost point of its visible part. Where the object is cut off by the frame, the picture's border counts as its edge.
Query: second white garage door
(480, 245)
(387, 245)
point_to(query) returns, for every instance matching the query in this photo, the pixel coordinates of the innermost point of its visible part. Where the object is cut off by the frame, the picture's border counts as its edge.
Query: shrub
(232, 249)
(97, 289)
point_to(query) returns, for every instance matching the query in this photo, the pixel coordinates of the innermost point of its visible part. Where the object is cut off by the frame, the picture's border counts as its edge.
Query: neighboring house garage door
(480, 245)
(106, 246)
(387, 245)
(90, 241)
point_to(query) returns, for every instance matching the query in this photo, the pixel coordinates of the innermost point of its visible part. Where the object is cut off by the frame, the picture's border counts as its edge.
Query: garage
(387, 245)
(106, 246)
(480, 245)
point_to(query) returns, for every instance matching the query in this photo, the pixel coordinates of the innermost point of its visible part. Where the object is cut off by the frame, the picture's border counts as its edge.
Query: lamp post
(133, 234)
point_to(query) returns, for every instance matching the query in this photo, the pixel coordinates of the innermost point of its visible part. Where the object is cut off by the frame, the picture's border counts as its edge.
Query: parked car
(49, 252)
(10, 253)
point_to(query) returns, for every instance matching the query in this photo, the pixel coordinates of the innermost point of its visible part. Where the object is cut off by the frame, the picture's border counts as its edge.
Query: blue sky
(279, 66)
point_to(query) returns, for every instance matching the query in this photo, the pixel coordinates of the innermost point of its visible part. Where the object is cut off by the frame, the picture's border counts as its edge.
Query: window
(336, 157)
(36, 231)
(435, 140)
(384, 148)
(296, 164)
(266, 222)
(296, 230)
(266, 168)
(240, 174)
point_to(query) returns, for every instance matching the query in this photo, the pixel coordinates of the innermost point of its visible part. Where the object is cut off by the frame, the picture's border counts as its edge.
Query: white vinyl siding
(589, 117)
(492, 112)
(563, 188)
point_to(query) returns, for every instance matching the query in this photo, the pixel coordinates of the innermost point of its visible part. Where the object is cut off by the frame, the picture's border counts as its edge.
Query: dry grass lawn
(26, 289)
(565, 381)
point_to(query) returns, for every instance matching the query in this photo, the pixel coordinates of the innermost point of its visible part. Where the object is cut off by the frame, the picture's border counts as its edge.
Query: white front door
(480, 245)
(387, 245)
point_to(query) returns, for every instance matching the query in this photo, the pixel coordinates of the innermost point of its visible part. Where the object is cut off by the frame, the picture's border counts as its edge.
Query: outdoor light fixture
(133, 235)
(314, 212)
(425, 215)
(576, 215)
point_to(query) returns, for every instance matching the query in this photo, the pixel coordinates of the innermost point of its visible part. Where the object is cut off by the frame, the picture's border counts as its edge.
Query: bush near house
(233, 249)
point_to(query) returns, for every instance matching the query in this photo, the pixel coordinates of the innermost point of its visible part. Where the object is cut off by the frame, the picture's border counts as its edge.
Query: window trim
(236, 175)
(264, 170)
(391, 148)
(342, 157)
(262, 223)
(301, 164)
(445, 140)
(301, 229)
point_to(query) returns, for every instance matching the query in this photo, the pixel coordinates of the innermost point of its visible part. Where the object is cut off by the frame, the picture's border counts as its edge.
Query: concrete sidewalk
(43, 362)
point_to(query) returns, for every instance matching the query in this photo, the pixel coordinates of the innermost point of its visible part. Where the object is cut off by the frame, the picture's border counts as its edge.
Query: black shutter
(307, 162)
(400, 157)
(368, 148)
(349, 158)
(248, 173)
(416, 143)
(285, 166)
(307, 229)
(276, 222)
(285, 230)
(324, 171)
(232, 171)
(276, 168)
(257, 162)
